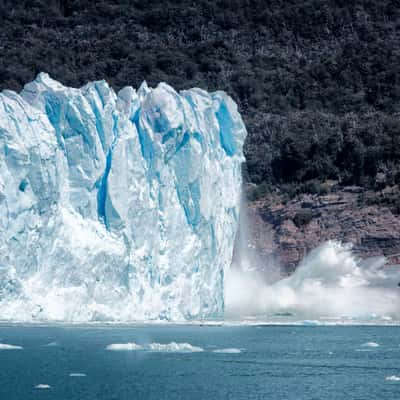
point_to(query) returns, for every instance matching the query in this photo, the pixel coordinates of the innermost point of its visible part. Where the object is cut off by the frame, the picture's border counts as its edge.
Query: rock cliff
(286, 232)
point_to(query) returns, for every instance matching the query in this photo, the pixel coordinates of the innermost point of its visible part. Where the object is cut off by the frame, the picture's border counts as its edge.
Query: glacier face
(116, 206)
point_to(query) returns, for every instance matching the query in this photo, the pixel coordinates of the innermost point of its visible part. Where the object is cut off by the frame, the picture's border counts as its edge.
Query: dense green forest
(317, 81)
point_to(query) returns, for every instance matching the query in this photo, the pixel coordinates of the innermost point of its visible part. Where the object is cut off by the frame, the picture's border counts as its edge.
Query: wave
(76, 374)
(4, 346)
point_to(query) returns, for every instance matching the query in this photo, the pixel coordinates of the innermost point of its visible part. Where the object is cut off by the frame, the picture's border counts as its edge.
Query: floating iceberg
(172, 347)
(5, 346)
(370, 344)
(42, 386)
(116, 206)
(393, 378)
(228, 351)
(130, 346)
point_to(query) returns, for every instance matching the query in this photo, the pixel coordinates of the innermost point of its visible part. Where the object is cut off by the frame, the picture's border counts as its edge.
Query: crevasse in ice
(116, 206)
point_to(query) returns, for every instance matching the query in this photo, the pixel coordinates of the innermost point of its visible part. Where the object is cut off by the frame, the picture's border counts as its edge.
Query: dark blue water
(281, 362)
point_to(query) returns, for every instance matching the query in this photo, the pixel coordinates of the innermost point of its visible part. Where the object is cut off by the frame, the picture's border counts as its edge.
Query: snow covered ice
(116, 206)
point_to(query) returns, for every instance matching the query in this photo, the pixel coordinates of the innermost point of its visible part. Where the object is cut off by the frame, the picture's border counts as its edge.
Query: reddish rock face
(286, 233)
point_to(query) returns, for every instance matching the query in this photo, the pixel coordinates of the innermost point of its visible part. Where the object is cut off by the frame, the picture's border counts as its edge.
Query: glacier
(117, 206)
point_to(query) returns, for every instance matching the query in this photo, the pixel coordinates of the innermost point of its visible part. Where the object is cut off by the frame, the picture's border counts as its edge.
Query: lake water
(222, 362)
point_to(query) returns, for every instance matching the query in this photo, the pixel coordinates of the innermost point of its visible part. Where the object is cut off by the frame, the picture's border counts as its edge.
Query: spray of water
(331, 282)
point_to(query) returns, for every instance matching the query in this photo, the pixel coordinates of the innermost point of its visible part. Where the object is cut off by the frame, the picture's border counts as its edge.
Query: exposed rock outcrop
(287, 232)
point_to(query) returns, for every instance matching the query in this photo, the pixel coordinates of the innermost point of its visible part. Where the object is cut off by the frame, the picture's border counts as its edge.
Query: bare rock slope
(287, 232)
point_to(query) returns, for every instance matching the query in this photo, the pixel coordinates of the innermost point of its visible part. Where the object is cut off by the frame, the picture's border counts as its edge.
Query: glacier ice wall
(116, 206)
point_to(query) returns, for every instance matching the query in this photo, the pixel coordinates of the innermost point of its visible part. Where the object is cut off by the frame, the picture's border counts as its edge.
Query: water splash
(331, 282)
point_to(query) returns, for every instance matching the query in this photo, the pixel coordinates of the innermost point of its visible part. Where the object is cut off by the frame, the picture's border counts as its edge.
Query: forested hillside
(317, 81)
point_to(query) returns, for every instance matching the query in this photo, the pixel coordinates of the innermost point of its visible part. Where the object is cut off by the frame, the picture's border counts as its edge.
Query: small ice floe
(4, 346)
(42, 386)
(393, 378)
(228, 351)
(370, 344)
(51, 344)
(309, 322)
(130, 346)
(173, 348)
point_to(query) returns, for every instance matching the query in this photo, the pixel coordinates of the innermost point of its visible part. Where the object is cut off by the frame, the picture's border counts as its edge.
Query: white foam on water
(77, 374)
(4, 346)
(228, 351)
(370, 344)
(130, 346)
(173, 347)
(330, 283)
(393, 378)
(42, 386)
